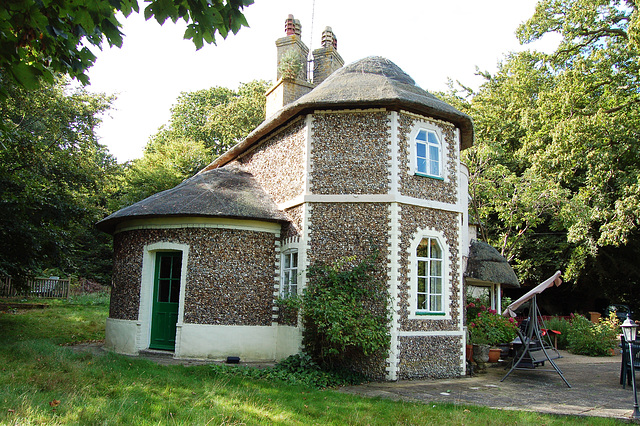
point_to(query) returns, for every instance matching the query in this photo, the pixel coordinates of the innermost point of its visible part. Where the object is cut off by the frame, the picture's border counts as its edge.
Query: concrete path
(595, 389)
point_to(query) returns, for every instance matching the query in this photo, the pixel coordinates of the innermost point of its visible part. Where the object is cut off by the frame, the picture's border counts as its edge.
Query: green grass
(44, 382)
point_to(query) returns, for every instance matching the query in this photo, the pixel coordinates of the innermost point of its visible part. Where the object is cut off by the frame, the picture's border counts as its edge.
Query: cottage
(350, 157)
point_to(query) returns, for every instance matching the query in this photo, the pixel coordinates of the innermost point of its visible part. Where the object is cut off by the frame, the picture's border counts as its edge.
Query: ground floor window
(289, 279)
(430, 289)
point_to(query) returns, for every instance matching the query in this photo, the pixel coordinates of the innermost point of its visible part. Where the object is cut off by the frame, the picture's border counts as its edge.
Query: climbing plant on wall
(346, 312)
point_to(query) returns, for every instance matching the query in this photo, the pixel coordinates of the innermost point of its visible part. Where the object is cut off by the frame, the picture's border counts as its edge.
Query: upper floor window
(428, 153)
(430, 290)
(289, 278)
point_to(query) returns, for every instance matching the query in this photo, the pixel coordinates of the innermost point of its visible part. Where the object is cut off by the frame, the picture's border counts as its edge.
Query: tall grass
(42, 381)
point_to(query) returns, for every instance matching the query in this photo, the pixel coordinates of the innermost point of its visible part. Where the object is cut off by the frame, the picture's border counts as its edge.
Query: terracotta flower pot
(494, 355)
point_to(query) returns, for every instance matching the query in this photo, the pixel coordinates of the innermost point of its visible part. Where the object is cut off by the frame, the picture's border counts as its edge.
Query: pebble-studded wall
(340, 230)
(278, 165)
(429, 356)
(435, 357)
(229, 279)
(412, 220)
(445, 191)
(294, 227)
(350, 153)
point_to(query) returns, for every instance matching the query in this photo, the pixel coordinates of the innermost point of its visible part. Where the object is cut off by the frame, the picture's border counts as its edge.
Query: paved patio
(595, 389)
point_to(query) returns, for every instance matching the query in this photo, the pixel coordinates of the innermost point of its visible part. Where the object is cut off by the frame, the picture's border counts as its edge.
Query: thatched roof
(228, 192)
(372, 82)
(487, 264)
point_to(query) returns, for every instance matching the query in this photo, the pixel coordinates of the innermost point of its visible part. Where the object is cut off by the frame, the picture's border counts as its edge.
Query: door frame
(147, 287)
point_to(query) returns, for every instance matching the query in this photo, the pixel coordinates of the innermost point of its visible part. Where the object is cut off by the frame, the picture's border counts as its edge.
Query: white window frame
(428, 128)
(416, 312)
(289, 273)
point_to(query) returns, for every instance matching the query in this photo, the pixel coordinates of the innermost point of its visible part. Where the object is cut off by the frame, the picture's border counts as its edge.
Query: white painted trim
(393, 277)
(198, 222)
(146, 289)
(343, 111)
(430, 333)
(446, 275)
(372, 198)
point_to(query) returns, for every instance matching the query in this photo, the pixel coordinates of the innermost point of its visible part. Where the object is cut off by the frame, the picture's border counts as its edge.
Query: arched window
(428, 153)
(430, 290)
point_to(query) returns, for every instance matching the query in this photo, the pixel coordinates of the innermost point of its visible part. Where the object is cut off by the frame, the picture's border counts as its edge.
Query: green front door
(166, 296)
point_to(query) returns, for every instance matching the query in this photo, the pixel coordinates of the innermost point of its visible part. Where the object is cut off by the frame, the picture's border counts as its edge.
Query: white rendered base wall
(122, 336)
(214, 342)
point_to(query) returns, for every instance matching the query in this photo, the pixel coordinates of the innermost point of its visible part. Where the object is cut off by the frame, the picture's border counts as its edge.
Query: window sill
(428, 176)
(435, 314)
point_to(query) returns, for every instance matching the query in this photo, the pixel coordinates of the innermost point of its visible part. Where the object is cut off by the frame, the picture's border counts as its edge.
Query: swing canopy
(553, 280)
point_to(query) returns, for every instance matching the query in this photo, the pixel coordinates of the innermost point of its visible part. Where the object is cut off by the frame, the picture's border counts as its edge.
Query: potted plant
(488, 328)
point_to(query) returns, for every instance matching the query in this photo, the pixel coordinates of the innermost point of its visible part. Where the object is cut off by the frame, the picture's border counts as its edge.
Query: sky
(431, 40)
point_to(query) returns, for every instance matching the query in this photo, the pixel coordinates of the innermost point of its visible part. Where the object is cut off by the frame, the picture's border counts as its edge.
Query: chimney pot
(289, 25)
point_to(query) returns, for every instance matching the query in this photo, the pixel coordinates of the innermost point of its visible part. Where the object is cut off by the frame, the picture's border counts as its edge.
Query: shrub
(587, 338)
(490, 328)
(346, 312)
(563, 326)
(297, 369)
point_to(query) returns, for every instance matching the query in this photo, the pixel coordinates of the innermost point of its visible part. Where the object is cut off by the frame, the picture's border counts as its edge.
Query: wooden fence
(38, 287)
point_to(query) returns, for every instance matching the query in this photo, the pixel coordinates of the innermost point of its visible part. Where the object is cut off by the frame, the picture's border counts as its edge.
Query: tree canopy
(555, 175)
(55, 180)
(43, 37)
(203, 125)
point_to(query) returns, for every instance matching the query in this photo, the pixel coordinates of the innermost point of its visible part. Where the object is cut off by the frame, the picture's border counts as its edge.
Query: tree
(554, 171)
(44, 37)
(55, 180)
(203, 124)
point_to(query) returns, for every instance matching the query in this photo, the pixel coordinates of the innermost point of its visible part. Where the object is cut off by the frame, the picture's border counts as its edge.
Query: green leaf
(27, 75)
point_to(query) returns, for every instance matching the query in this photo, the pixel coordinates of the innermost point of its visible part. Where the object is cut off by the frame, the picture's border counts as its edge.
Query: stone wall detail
(341, 230)
(350, 153)
(230, 275)
(279, 163)
(435, 357)
(412, 220)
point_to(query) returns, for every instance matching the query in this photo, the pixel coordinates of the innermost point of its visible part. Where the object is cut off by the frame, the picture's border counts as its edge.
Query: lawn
(44, 380)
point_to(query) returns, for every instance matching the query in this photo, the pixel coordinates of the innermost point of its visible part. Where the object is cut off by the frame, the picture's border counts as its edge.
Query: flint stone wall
(412, 220)
(278, 164)
(435, 357)
(411, 185)
(350, 153)
(230, 276)
(339, 230)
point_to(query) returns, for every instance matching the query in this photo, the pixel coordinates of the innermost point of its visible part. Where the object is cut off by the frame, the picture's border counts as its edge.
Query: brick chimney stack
(326, 59)
(290, 49)
(292, 45)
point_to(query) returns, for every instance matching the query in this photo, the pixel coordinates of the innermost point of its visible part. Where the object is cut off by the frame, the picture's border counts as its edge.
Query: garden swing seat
(532, 350)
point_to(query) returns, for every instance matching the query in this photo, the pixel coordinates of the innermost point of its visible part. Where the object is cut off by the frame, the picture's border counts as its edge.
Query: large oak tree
(555, 172)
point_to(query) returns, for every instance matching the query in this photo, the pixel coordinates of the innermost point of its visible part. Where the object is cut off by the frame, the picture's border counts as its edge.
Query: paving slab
(595, 388)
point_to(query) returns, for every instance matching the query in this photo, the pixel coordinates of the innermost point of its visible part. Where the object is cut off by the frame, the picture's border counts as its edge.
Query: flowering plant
(488, 327)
